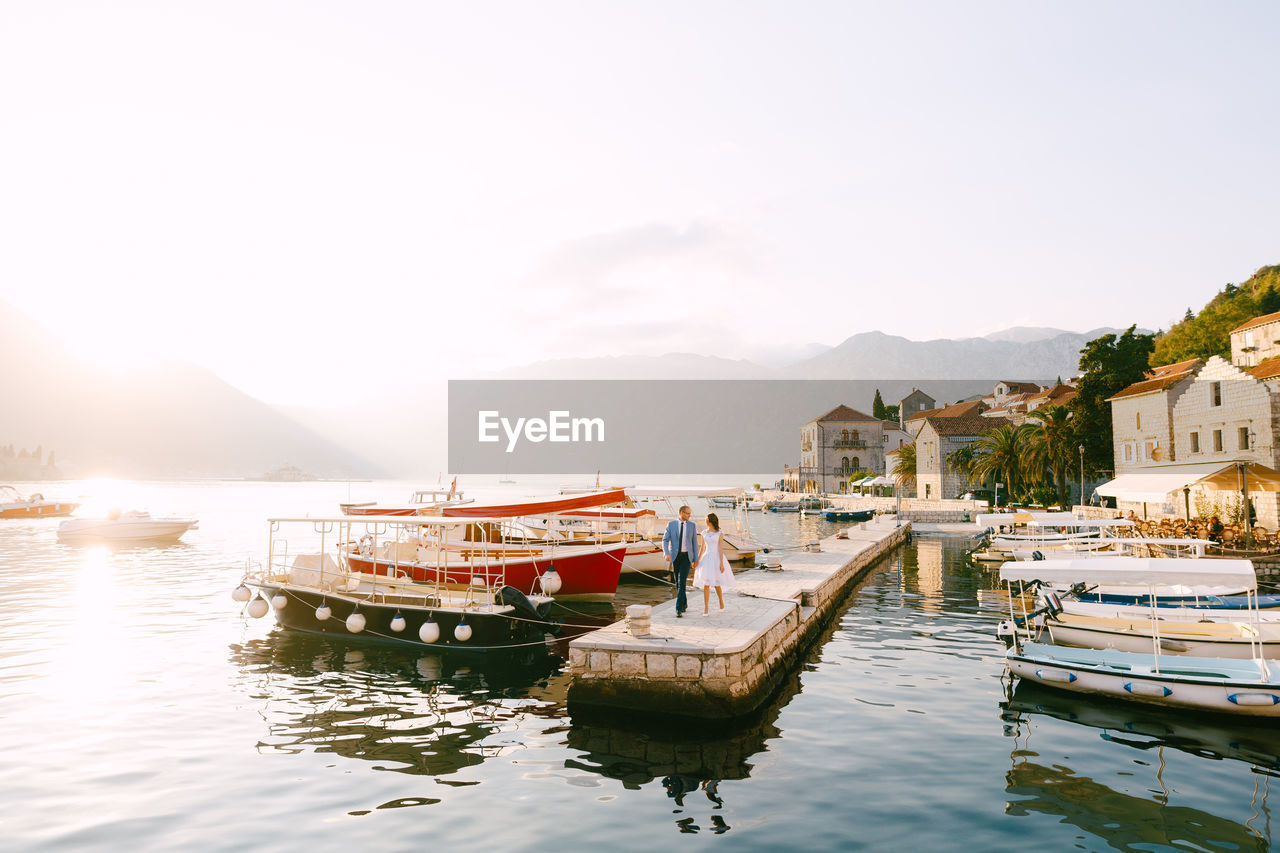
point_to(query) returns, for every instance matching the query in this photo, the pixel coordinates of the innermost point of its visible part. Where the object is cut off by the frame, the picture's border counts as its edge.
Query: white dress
(713, 566)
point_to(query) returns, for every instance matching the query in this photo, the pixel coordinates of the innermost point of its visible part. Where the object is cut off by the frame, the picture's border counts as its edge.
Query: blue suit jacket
(671, 547)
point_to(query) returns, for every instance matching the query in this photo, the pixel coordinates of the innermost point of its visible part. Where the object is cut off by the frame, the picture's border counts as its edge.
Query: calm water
(141, 708)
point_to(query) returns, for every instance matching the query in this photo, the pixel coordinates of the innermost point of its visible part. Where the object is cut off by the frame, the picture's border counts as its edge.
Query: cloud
(656, 253)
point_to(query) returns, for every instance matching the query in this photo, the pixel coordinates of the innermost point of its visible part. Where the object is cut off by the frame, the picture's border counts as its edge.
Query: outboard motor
(1036, 555)
(525, 609)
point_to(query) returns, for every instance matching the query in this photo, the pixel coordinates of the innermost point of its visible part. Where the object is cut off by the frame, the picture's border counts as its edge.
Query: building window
(853, 435)
(1128, 453)
(844, 434)
(1217, 441)
(1215, 395)
(927, 489)
(1195, 442)
(1137, 418)
(1244, 438)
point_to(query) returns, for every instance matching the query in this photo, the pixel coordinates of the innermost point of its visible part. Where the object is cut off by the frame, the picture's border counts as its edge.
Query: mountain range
(176, 419)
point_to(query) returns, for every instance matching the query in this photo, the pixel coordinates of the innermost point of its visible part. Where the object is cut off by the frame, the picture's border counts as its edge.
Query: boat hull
(1171, 641)
(38, 509)
(1184, 682)
(588, 575)
(99, 530)
(497, 630)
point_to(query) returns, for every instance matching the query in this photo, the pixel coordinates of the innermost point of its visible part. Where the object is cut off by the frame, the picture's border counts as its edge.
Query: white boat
(737, 542)
(1123, 546)
(130, 526)
(1179, 681)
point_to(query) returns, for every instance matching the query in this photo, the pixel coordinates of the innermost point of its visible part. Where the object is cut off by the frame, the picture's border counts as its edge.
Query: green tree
(877, 407)
(1108, 364)
(904, 465)
(960, 461)
(999, 456)
(1051, 448)
(1209, 333)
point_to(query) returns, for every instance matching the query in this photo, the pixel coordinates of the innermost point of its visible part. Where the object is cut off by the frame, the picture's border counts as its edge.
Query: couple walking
(686, 548)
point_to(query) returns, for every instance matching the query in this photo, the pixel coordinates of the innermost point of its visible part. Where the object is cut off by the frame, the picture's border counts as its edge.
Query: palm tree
(999, 454)
(1050, 447)
(904, 465)
(961, 461)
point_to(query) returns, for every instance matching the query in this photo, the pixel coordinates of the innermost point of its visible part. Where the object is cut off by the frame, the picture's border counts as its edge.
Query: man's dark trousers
(679, 575)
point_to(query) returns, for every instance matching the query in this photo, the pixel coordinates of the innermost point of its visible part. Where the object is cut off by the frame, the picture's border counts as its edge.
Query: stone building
(837, 445)
(956, 410)
(1255, 341)
(913, 404)
(1213, 411)
(1142, 416)
(938, 438)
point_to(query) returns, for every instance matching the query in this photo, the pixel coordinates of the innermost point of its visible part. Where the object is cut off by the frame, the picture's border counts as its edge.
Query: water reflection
(1125, 821)
(409, 712)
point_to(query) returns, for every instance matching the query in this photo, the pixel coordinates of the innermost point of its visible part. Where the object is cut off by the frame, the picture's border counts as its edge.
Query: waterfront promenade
(729, 663)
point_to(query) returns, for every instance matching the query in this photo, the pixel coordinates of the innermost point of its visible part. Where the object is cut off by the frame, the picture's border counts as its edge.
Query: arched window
(844, 435)
(857, 466)
(853, 435)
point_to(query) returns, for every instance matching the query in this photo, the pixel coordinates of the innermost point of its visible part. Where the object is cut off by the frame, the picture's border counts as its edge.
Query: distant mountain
(164, 420)
(875, 355)
(675, 365)
(1025, 334)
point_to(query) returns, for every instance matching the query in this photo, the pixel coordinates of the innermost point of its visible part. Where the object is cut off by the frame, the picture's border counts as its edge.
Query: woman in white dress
(713, 566)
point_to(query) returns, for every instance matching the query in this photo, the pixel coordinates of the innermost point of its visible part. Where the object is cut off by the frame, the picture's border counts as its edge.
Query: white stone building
(837, 445)
(1142, 416)
(937, 439)
(1255, 341)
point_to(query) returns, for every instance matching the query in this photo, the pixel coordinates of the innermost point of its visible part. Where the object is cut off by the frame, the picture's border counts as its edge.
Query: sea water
(142, 709)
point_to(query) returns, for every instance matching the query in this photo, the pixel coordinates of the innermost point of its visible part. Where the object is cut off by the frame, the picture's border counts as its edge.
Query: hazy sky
(317, 199)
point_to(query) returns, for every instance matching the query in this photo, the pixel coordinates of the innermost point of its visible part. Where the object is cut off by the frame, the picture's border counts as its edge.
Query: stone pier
(728, 663)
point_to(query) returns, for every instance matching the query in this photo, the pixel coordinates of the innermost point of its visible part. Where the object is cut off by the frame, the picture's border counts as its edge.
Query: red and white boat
(14, 504)
(587, 571)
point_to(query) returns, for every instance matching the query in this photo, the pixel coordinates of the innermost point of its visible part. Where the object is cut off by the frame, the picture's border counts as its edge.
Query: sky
(319, 200)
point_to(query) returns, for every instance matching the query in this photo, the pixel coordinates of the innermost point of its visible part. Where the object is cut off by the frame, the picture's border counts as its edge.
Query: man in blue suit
(680, 547)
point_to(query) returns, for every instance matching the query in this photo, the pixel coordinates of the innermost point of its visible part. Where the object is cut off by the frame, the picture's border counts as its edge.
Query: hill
(1208, 333)
(169, 419)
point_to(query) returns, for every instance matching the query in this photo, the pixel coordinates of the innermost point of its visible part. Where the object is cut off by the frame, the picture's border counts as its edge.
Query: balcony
(843, 443)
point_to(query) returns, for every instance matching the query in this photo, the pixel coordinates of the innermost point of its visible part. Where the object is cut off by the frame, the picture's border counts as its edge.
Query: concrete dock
(726, 664)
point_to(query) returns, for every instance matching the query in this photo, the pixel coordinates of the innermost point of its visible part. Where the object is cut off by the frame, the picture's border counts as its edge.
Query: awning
(686, 492)
(1155, 483)
(535, 506)
(1127, 571)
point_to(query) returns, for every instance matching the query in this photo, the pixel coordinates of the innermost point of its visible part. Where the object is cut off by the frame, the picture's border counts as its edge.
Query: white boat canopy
(1046, 519)
(1154, 483)
(1134, 571)
(686, 492)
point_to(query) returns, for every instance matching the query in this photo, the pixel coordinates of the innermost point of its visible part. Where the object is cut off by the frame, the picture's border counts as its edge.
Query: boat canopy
(686, 492)
(1154, 483)
(1134, 571)
(1046, 519)
(536, 506)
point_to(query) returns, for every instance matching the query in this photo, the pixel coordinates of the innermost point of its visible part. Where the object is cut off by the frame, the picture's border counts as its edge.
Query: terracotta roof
(1020, 385)
(1268, 368)
(1160, 378)
(1257, 321)
(965, 425)
(1057, 395)
(891, 424)
(844, 413)
(956, 410)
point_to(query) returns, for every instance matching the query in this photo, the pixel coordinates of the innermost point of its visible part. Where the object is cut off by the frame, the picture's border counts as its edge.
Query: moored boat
(323, 593)
(1237, 686)
(14, 504)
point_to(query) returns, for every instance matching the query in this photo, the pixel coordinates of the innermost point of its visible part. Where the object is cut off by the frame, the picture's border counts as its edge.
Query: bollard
(638, 616)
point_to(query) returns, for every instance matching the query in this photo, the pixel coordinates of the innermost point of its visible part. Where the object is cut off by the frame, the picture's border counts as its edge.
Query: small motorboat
(130, 526)
(1236, 686)
(13, 504)
(849, 514)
